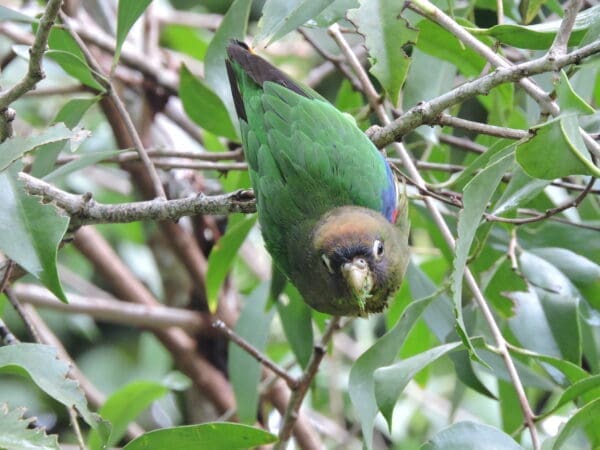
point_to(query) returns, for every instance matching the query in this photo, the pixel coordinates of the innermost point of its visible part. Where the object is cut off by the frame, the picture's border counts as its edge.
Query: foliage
(492, 341)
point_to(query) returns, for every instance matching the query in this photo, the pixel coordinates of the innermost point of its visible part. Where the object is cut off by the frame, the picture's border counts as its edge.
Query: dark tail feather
(258, 69)
(235, 92)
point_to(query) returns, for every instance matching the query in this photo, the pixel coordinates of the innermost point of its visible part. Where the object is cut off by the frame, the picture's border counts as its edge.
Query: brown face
(351, 246)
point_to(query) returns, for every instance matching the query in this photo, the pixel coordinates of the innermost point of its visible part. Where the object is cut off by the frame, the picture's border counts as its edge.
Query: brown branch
(120, 108)
(181, 346)
(83, 209)
(116, 311)
(222, 328)
(481, 128)
(298, 394)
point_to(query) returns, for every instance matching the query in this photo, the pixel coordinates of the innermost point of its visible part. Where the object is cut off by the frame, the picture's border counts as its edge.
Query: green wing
(305, 159)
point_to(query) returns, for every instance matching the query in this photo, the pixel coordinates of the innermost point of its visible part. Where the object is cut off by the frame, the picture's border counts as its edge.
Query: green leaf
(477, 194)
(233, 26)
(208, 436)
(520, 189)
(587, 418)
(296, 319)
(436, 41)
(470, 436)
(203, 106)
(498, 150)
(335, 12)
(129, 11)
(70, 114)
(223, 253)
(390, 381)
(10, 15)
(30, 232)
(540, 36)
(244, 370)
(46, 370)
(582, 272)
(123, 406)
(85, 160)
(382, 353)
(281, 17)
(15, 147)
(555, 151)
(184, 39)
(568, 100)
(572, 372)
(587, 388)
(559, 301)
(76, 67)
(15, 432)
(385, 33)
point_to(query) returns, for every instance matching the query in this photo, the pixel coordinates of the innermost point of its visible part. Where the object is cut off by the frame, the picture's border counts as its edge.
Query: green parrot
(329, 207)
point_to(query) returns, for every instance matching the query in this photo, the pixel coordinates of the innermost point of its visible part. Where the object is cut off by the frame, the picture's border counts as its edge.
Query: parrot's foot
(372, 130)
(244, 195)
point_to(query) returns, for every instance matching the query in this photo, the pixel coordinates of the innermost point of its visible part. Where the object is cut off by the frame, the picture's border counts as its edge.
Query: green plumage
(305, 160)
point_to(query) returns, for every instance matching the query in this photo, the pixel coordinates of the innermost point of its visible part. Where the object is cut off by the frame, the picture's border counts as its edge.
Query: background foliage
(110, 303)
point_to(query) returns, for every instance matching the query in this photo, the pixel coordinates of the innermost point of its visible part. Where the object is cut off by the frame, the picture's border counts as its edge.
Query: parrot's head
(362, 258)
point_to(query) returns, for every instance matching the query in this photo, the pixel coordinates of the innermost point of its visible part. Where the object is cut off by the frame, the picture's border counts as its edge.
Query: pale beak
(358, 276)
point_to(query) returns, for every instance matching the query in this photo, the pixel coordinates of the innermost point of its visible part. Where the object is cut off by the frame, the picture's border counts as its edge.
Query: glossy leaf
(334, 12)
(540, 36)
(76, 67)
(123, 406)
(390, 381)
(30, 232)
(128, 12)
(477, 194)
(10, 15)
(385, 33)
(519, 191)
(281, 17)
(244, 370)
(582, 272)
(587, 418)
(296, 319)
(568, 100)
(203, 106)
(49, 373)
(15, 147)
(559, 301)
(588, 387)
(85, 160)
(16, 432)
(382, 353)
(556, 150)
(70, 114)
(470, 436)
(215, 435)
(222, 256)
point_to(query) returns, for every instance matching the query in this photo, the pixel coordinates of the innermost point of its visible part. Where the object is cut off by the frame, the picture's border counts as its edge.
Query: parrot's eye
(378, 249)
(326, 262)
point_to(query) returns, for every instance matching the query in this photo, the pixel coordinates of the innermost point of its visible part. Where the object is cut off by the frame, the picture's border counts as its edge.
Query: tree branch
(84, 210)
(115, 311)
(427, 111)
(298, 394)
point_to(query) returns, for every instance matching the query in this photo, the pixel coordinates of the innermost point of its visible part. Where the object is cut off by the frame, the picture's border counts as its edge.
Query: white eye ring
(378, 249)
(326, 262)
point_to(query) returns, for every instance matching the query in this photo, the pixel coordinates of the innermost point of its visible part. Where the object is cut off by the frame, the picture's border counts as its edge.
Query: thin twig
(222, 328)
(34, 70)
(427, 111)
(446, 233)
(115, 311)
(75, 425)
(298, 394)
(481, 128)
(14, 301)
(573, 203)
(123, 113)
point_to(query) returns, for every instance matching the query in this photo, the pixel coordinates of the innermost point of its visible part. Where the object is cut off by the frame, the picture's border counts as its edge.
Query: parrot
(329, 207)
